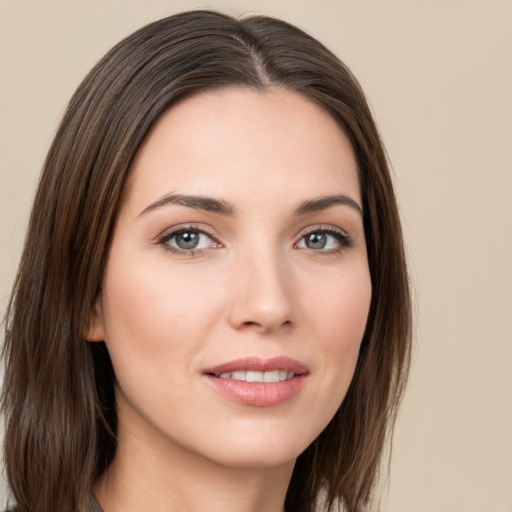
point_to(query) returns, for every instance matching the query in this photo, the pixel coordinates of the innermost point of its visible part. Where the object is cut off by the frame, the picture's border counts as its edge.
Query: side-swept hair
(58, 394)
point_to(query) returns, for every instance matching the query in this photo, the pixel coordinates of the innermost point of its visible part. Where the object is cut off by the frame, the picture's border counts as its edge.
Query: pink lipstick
(258, 382)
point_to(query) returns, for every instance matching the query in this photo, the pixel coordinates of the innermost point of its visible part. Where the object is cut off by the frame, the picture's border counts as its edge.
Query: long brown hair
(58, 393)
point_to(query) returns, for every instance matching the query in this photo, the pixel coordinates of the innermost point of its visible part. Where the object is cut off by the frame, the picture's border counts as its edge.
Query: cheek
(339, 314)
(153, 314)
(339, 306)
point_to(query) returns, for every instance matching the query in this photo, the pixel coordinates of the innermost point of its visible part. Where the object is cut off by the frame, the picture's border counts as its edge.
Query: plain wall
(439, 77)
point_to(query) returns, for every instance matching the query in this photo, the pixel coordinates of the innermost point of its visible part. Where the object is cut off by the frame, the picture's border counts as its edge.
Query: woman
(212, 307)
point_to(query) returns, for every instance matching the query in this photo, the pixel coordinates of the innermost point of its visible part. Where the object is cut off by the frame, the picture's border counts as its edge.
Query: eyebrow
(219, 206)
(322, 203)
(208, 204)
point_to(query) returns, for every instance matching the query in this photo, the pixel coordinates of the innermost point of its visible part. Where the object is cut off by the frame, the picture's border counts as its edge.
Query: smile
(258, 382)
(254, 376)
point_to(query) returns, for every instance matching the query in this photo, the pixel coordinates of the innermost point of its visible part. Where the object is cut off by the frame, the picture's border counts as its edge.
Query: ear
(96, 331)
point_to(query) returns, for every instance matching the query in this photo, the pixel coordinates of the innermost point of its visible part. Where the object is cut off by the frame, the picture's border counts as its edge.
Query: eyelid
(192, 226)
(323, 227)
(343, 239)
(341, 235)
(169, 233)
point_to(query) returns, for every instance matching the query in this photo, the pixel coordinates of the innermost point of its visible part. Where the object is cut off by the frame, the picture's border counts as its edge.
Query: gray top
(93, 505)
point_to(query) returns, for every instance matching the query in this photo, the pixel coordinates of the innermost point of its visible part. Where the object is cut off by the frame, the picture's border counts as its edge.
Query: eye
(326, 240)
(187, 240)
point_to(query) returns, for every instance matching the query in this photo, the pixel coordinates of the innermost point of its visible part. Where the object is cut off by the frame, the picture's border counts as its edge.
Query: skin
(253, 287)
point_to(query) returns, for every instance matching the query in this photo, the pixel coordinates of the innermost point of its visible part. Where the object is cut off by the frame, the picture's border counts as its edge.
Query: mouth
(258, 382)
(255, 376)
(246, 368)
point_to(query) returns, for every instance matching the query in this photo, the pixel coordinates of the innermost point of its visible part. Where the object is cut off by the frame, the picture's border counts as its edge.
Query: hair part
(58, 394)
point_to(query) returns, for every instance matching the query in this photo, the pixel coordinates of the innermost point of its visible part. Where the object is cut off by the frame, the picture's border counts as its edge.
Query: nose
(261, 295)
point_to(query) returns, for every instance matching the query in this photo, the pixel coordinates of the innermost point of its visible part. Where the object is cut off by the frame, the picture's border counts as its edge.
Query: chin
(266, 450)
(257, 458)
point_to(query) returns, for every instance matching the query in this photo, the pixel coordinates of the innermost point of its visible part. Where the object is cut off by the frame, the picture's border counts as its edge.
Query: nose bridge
(262, 288)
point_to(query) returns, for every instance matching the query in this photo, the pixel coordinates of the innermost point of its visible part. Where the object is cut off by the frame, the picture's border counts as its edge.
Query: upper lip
(260, 365)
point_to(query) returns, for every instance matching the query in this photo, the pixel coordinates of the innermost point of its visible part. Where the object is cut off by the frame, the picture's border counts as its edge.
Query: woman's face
(237, 288)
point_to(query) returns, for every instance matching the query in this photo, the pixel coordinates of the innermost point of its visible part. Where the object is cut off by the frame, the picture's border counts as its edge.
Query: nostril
(266, 326)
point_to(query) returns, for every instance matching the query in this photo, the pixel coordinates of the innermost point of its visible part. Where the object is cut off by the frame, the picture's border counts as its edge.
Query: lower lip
(258, 394)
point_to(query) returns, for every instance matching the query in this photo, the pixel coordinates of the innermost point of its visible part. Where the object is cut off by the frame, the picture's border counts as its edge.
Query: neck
(153, 474)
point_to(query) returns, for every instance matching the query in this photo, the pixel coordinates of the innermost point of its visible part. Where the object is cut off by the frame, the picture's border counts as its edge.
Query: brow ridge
(222, 207)
(208, 204)
(322, 203)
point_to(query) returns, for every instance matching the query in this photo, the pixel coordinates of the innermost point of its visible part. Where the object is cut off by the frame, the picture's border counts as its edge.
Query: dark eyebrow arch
(208, 204)
(322, 203)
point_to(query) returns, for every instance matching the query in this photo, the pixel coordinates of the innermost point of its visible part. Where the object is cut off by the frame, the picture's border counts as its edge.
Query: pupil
(187, 240)
(316, 241)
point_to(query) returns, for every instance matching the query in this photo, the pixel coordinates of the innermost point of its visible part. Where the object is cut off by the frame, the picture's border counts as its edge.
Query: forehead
(236, 142)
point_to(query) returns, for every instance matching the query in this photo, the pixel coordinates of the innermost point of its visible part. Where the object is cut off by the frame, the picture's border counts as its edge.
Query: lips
(259, 365)
(258, 382)
(255, 376)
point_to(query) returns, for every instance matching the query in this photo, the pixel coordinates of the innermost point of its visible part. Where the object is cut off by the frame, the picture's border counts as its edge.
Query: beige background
(439, 78)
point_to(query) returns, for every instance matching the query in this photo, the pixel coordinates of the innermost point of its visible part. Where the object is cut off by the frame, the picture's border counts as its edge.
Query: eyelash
(166, 237)
(343, 240)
